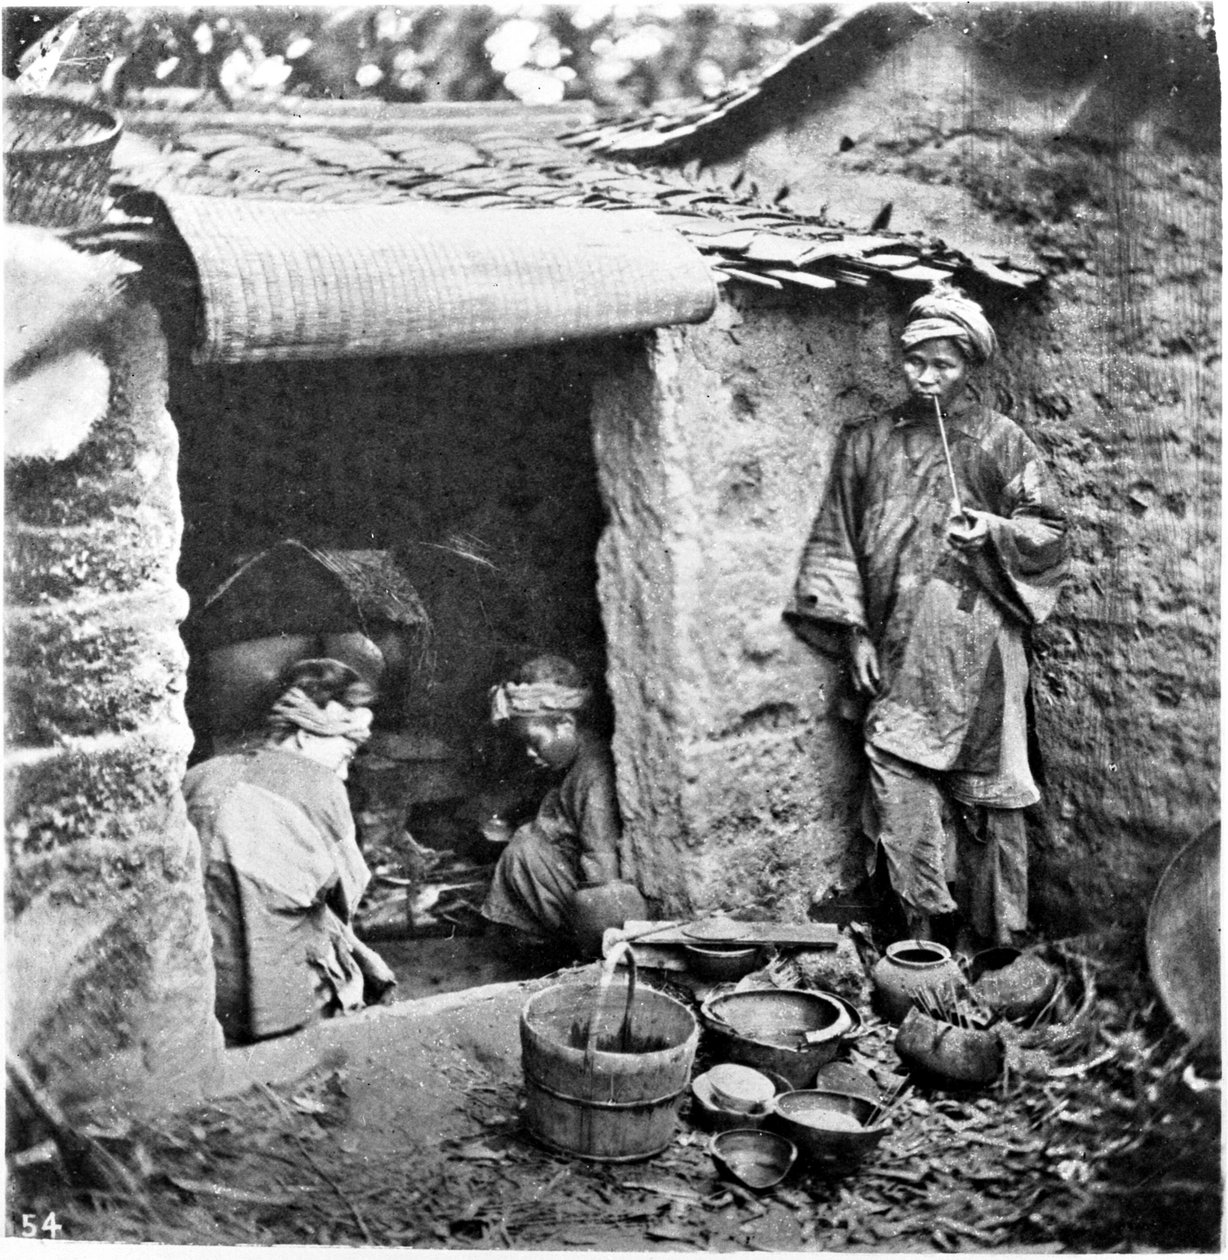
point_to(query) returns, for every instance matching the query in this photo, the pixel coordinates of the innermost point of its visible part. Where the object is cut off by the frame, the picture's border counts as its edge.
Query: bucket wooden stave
(602, 1104)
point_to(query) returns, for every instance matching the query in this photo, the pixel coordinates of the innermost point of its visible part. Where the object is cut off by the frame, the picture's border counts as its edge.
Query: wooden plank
(758, 932)
(805, 278)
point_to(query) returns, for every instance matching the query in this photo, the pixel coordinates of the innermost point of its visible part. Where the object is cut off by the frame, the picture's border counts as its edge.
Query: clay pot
(722, 962)
(604, 906)
(792, 1032)
(1014, 984)
(240, 677)
(358, 652)
(963, 1056)
(911, 967)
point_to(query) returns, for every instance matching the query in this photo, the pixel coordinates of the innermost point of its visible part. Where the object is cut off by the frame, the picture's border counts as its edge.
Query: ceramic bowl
(843, 1078)
(755, 1157)
(790, 1031)
(721, 962)
(827, 1128)
(708, 1114)
(736, 1087)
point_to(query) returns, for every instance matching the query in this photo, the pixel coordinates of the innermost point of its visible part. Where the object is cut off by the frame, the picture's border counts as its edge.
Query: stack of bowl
(730, 1096)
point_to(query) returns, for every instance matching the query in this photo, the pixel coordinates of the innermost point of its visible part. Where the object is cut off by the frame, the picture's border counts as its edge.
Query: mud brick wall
(110, 981)
(739, 777)
(1119, 380)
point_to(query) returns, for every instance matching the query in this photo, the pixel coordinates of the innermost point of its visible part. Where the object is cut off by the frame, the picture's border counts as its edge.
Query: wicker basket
(57, 160)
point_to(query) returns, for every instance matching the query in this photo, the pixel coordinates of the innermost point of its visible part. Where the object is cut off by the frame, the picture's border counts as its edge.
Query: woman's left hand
(967, 531)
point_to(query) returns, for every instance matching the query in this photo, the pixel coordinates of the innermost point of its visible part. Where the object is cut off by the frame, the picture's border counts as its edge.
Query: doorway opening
(473, 477)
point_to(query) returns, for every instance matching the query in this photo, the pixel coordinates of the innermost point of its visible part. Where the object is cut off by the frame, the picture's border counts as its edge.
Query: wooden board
(764, 932)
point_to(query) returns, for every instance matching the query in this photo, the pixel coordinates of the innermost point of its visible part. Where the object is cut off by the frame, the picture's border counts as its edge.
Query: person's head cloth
(946, 312)
(546, 686)
(322, 697)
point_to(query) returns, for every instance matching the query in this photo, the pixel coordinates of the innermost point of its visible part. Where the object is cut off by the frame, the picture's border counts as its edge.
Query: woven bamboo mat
(285, 280)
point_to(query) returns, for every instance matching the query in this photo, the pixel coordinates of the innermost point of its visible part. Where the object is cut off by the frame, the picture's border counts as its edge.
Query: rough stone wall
(1081, 152)
(110, 981)
(739, 779)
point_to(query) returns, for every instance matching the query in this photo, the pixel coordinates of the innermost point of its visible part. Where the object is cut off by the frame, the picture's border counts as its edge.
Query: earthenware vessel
(721, 962)
(1014, 984)
(960, 1056)
(755, 1157)
(790, 1031)
(911, 967)
(711, 1110)
(604, 906)
(829, 1128)
(737, 1087)
(844, 1078)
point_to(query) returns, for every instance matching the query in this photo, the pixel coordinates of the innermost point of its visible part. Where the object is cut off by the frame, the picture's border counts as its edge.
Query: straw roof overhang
(284, 280)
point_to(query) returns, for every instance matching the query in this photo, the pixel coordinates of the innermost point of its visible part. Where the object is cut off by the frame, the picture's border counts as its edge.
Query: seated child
(557, 884)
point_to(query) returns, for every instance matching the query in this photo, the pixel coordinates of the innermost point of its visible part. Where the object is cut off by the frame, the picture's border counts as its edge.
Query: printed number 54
(49, 1226)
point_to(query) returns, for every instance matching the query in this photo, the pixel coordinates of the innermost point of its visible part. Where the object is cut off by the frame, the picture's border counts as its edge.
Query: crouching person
(558, 883)
(283, 873)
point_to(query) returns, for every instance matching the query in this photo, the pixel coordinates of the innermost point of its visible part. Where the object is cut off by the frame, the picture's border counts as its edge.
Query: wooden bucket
(605, 1104)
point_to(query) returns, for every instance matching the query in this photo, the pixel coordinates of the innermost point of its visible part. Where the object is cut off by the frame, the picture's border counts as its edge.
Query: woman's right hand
(863, 663)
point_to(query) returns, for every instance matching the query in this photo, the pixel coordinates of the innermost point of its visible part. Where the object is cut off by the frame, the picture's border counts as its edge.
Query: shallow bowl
(755, 1157)
(843, 1078)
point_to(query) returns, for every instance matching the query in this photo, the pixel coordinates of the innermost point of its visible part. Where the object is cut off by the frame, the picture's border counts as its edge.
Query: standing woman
(932, 596)
(283, 873)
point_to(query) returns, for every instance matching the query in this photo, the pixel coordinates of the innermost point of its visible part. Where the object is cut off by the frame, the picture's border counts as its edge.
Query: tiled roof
(300, 156)
(660, 133)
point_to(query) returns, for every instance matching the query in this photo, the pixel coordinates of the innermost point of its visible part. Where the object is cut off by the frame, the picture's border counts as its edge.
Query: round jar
(911, 967)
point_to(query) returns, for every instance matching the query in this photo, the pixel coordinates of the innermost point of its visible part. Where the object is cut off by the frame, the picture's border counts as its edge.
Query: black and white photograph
(612, 627)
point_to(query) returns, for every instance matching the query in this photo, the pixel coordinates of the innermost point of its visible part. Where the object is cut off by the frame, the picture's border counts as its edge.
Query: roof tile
(741, 236)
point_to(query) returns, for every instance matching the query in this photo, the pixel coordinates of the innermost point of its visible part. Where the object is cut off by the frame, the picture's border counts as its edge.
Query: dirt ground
(450, 964)
(403, 1126)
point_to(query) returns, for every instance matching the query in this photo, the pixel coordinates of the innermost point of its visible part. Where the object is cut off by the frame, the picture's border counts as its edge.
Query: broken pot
(962, 1056)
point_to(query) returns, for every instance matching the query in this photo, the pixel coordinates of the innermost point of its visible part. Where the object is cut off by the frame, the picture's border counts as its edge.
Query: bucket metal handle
(607, 974)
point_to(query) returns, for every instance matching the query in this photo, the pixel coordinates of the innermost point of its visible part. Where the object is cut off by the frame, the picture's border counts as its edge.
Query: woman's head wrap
(296, 710)
(542, 699)
(946, 312)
